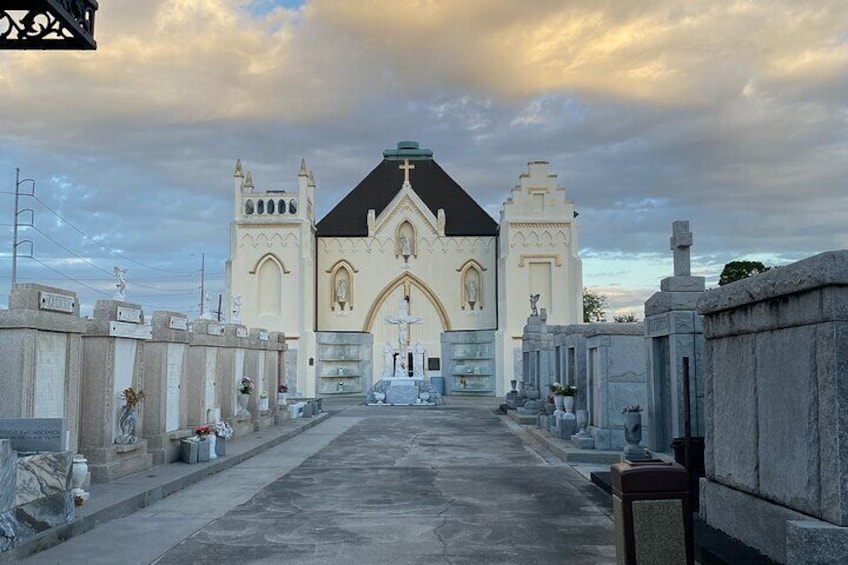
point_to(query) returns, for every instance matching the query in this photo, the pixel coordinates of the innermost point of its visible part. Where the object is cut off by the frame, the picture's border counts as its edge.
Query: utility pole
(202, 281)
(15, 243)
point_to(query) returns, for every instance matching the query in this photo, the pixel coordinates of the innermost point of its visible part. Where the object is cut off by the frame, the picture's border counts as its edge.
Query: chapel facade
(406, 238)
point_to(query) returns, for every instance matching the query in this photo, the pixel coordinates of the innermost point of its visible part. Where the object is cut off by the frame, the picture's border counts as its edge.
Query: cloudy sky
(733, 115)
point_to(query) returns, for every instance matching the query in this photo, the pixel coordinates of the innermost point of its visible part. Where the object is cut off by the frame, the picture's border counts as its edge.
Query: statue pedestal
(403, 391)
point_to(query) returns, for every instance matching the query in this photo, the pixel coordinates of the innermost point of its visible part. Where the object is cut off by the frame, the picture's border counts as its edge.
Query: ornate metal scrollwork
(47, 24)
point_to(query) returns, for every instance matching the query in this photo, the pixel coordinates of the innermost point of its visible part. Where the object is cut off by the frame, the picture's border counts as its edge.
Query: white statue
(418, 354)
(400, 369)
(235, 309)
(120, 282)
(341, 291)
(388, 360)
(405, 247)
(402, 321)
(471, 290)
(534, 298)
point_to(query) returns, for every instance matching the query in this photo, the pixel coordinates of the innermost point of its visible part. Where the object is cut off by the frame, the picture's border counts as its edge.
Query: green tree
(738, 270)
(627, 318)
(594, 306)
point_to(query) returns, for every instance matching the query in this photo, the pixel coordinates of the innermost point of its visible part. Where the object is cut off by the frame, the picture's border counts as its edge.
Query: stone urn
(79, 473)
(568, 401)
(243, 403)
(127, 421)
(582, 422)
(633, 435)
(558, 401)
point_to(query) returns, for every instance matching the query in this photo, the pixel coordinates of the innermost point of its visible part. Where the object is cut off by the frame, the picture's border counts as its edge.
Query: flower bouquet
(246, 386)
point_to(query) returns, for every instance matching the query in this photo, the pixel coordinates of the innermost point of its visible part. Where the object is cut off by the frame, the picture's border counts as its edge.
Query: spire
(248, 182)
(238, 172)
(303, 171)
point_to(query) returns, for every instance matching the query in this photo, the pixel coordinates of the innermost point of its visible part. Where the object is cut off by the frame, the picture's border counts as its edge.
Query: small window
(293, 206)
(248, 207)
(281, 206)
(270, 206)
(260, 207)
(433, 363)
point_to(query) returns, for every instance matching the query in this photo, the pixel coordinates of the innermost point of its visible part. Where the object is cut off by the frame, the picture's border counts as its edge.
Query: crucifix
(681, 241)
(406, 167)
(402, 321)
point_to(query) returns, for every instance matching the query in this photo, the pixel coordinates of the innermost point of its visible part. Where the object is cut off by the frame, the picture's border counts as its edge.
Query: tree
(594, 306)
(738, 270)
(627, 318)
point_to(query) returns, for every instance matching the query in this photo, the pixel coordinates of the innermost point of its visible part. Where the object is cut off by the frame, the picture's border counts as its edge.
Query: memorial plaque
(34, 434)
(241, 332)
(264, 336)
(177, 323)
(56, 302)
(131, 315)
(214, 329)
(402, 393)
(133, 331)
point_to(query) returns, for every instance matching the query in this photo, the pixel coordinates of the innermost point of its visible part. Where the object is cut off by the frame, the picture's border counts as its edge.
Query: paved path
(453, 485)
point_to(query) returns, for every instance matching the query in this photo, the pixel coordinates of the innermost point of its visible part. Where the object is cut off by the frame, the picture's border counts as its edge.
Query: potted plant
(556, 391)
(129, 416)
(263, 401)
(223, 432)
(245, 389)
(282, 394)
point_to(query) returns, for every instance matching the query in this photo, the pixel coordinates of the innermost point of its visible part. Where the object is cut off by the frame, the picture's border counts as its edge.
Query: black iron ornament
(47, 24)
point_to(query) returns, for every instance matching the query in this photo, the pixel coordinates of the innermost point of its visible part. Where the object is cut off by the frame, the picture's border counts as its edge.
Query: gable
(435, 188)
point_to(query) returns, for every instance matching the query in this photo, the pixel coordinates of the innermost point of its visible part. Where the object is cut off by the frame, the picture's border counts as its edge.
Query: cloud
(731, 114)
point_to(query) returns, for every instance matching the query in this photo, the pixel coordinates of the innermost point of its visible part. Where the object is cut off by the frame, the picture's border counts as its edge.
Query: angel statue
(120, 282)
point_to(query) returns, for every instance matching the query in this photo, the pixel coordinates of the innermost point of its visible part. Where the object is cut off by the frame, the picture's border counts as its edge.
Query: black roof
(463, 216)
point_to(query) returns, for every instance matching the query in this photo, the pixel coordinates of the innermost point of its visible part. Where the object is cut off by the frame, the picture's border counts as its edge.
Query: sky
(729, 114)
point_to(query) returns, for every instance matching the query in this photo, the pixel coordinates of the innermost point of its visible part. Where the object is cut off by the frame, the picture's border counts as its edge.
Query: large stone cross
(406, 167)
(402, 321)
(681, 241)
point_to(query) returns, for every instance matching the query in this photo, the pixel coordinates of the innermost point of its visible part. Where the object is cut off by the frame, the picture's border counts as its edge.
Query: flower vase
(633, 435)
(263, 404)
(220, 446)
(568, 401)
(243, 403)
(127, 421)
(203, 450)
(582, 422)
(558, 400)
(213, 446)
(79, 473)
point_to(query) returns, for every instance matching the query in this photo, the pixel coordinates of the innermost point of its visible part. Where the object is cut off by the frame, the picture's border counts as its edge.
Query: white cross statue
(681, 241)
(406, 166)
(402, 321)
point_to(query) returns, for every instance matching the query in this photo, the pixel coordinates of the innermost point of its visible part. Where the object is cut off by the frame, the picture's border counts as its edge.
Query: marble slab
(34, 434)
(401, 392)
(8, 475)
(43, 475)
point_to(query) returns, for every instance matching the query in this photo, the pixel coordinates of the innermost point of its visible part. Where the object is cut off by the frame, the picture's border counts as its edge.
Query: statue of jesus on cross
(402, 321)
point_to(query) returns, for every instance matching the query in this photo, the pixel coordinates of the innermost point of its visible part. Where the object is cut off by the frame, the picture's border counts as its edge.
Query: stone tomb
(674, 331)
(777, 410)
(112, 362)
(41, 349)
(257, 363)
(166, 386)
(204, 400)
(402, 391)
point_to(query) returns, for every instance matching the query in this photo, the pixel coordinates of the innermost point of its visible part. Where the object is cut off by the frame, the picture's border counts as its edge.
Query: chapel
(406, 275)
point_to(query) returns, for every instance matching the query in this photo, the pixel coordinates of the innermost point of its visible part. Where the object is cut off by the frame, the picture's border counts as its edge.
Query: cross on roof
(405, 167)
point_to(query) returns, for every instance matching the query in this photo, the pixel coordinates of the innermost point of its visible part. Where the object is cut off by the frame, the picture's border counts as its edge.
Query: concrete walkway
(372, 485)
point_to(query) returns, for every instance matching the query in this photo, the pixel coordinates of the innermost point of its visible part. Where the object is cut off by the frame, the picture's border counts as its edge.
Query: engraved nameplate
(34, 434)
(55, 302)
(133, 331)
(241, 332)
(131, 315)
(214, 329)
(177, 323)
(264, 336)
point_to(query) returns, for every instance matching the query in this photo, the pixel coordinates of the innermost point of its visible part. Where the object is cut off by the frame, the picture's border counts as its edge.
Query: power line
(69, 278)
(119, 254)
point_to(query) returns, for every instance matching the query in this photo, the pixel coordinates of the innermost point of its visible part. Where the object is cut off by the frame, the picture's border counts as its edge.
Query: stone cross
(406, 166)
(681, 241)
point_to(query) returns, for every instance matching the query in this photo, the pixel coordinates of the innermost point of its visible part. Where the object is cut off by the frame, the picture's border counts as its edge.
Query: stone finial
(238, 172)
(304, 172)
(681, 241)
(248, 181)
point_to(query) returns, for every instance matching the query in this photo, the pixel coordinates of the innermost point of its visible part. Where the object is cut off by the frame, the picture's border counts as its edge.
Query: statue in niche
(418, 360)
(120, 282)
(405, 246)
(534, 298)
(471, 290)
(341, 291)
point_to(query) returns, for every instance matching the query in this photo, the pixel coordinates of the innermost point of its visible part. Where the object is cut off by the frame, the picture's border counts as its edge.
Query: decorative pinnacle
(238, 172)
(248, 182)
(303, 171)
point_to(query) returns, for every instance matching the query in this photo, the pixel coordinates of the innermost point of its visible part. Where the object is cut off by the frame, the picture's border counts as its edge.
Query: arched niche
(248, 207)
(406, 241)
(407, 281)
(471, 285)
(260, 207)
(341, 285)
